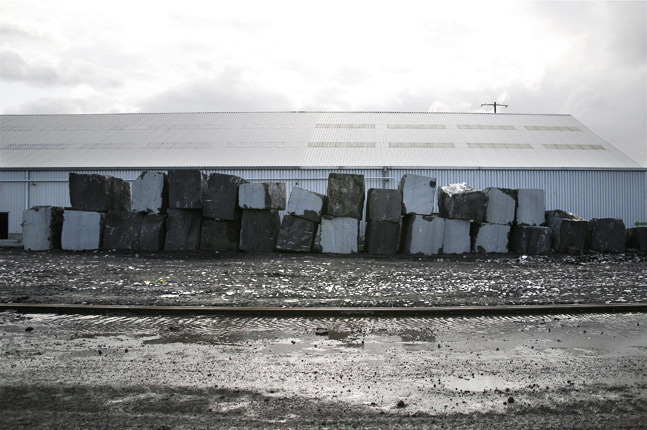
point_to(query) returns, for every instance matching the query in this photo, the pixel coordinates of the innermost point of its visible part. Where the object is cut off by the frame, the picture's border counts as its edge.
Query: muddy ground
(105, 277)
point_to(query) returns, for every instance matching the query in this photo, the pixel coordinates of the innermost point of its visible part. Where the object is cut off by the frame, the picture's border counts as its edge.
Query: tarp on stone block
(345, 195)
(41, 228)
(183, 229)
(460, 201)
(220, 235)
(221, 197)
(296, 234)
(98, 193)
(259, 230)
(186, 189)
(82, 230)
(122, 230)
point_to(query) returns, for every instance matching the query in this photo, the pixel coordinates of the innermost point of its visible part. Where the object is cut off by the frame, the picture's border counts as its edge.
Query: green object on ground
(641, 224)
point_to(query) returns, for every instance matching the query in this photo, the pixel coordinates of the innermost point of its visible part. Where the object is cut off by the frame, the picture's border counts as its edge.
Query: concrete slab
(262, 195)
(456, 236)
(460, 201)
(186, 188)
(530, 240)
(306, 204)
(183, 229)
(41, 228)
(531, 206)
(122, 230)
(98, 193)
(568, 231)
(221, 197)
(489, 238)
(422, 234)
(259, 230)
(382, 237)
(384, 205)
(339, 235)
(150, 192)
(606, 235)
(220, 235)
(82, 230)
(418, 194)
(500, 205)
(296, 234)
(636, 238)
(153, 232)
(345, 195)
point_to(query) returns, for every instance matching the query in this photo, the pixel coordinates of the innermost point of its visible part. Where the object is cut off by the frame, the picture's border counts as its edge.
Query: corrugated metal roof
(303, 139)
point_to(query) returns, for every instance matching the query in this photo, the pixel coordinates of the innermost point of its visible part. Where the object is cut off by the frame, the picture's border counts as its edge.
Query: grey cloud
(55, 105)
(14, 68)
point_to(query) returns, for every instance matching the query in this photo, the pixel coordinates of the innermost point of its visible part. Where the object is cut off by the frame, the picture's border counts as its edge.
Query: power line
(495, 104)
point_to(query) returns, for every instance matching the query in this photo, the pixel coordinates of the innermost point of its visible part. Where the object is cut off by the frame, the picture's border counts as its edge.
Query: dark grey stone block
(153, 232)
(530, 240)
(456, 236)
(460, 201)
(568, 231)
(636, 238)
(306, 204)
(500, 205)
(122, 230)
(98, 193)
(345, 195)
(221, 197)
(259, 230)
(183, 228)
(220, 235)
(296, 234)
(42, 227)
(82, 230)
(418, 194)
(339, 235)
(382, 238)
(489, 238)
(262, 195)
(150, 192)
(186, 188)
(606, 235)
(531, 206)
(384, 205)
(422, 234)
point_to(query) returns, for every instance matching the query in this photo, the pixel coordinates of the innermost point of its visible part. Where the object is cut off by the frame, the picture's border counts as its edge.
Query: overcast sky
(587, 59)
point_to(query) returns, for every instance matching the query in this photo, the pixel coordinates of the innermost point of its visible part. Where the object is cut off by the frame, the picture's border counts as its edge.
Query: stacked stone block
(260, 221)
(418, 194)
(153, 232)
(183, 230)
(489, 238)
(220, 235)
(122, 230)
(150, 192)
(384, 216)
(300, 224)
(186, 189)
(458, 204)
(423, 234)
(340, 227)
(530, 240)
(339, 235)
(606, 235)
(82, 230)
(41, 228)
(636, 238)
(568, 231)
(222, 213)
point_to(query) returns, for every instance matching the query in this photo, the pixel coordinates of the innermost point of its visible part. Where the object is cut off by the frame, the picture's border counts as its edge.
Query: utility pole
(495, 104)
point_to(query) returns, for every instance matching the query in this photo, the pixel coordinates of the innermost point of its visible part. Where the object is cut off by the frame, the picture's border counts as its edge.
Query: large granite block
(41, 228)
(456, 236)
(82, 230)
(296, 234)
(500, 205)
(186, 189)
(568, 231)
(183, 229)
(153, 233)
(262, 196)
(418, 193)
(122, 230)
(220, 235)
(531, 206)
(382, 237)
(259, 230)
(489, 238)
(306, 204)
(345, 195)
(606, 235)
(636, 238)
(98, 193)
(339, 235)
(530, 240)
(384, 205)
(460, 201)
(221, 197)
(150, 192)
(422, 234)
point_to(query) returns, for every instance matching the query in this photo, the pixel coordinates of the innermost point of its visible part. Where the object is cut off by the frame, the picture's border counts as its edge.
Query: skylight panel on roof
(551, 128)
(488, 145)
(324, 125)
(108, 145)
(484, 127)
(433, 145)
(572, 146)
(341, 144)
(35, 146)
(251, 144)
(417, 126)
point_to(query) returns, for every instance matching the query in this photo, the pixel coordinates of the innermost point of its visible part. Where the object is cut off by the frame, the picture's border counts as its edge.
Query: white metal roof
(303, 139)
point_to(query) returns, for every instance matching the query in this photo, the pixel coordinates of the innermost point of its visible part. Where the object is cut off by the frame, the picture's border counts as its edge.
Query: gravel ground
(105, 277)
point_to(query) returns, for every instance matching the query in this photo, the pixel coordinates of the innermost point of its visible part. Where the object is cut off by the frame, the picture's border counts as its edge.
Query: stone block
(531, 206)
(418, 194)
(262, 196)
(259, 230)
(82, 230)
(460, 201)
(422, 234)
(220, 235)
(221, 197)
(384, 205)
(183, 229)
(568, 231)
(98, 193)
(306, 204)
(296, 234)
(456, 236)
(489, 238)
(186, 189)
(345, 195)
(339, 235)
(153, 232)
(530, 240)
(500, 205)
(122, 230)
(606, 235)
(150, 192)
(41, 228)
(636, 238)
(382, 237)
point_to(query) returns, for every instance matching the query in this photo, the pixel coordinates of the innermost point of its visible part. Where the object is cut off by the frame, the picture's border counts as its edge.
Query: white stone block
(339, 235)
(531, 206)
(490, 238)
(266, 195)
(41, 228)
(418, 194)
(306, 204)
(423, 234)
(500, 206)
(456, 236)
(150, 193)
(82, 230)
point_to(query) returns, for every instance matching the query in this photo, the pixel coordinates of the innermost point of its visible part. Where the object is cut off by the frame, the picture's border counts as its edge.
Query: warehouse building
(580, 172)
